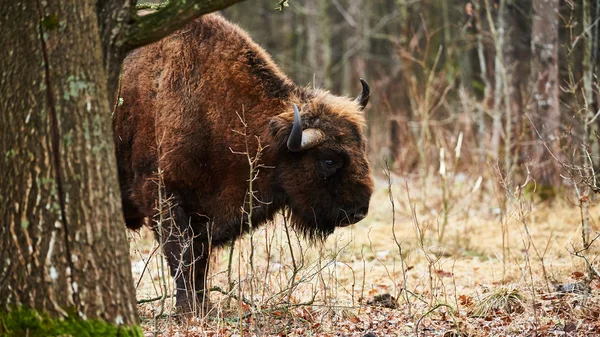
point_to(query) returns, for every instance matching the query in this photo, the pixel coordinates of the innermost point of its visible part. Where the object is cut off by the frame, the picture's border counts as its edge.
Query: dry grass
(474, 283)
(500, 300)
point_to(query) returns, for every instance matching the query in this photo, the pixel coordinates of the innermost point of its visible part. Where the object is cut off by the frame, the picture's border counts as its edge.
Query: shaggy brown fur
(181, 101)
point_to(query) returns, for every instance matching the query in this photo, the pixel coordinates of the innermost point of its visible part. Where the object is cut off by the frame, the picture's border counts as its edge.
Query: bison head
(322, 166)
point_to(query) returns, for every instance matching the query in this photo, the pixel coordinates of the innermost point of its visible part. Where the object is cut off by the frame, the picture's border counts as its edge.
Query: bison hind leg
(187, 256)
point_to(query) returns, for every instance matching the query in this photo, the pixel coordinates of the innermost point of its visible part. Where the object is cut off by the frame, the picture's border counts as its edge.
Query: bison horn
(294, 142)
(364, 96)
(303, 140)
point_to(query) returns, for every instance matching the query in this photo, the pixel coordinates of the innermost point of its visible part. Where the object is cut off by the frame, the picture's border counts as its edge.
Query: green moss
(11, 153)
(28, 322)
(50, 22)
(68, 138)
(77, 85)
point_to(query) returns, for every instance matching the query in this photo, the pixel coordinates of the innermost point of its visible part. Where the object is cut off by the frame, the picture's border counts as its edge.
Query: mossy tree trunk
(63, 245)
(63, 250)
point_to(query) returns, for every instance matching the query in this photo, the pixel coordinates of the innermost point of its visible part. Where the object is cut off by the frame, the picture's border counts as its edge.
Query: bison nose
(358, 217)
(361, 213)
(358, 214)
(352, 215)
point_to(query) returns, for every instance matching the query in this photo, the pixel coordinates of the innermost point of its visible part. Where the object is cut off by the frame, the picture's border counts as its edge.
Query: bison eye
(329, 163)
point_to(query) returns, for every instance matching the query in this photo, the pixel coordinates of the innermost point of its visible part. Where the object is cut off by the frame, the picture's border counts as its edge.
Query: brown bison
(192, 105)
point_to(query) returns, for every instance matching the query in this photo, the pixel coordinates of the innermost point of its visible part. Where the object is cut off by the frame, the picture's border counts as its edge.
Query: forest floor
(500, 266)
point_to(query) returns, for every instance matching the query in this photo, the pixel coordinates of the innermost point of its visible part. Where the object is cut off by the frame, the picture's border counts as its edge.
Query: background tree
(63, 252)
(544, 69)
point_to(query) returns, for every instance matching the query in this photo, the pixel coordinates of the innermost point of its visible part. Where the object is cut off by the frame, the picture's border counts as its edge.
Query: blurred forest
(512, 84)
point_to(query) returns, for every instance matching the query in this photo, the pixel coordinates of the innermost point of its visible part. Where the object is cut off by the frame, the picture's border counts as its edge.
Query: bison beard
(182, 102)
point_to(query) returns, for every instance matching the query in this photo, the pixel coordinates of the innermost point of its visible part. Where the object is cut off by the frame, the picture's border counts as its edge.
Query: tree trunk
(64, 257)
(544, 66)
(497, 32)
(63, 245)
(318, 38)
(517, 61)
(591, 128)
(483, 69)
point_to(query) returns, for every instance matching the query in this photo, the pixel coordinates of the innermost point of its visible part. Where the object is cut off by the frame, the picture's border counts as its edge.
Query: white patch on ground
(137, 267)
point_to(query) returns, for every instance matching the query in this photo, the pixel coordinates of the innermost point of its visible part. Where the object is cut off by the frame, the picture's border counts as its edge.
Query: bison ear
(280, 127)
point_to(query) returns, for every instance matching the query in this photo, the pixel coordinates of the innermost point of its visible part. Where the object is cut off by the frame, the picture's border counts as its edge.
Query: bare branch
(174, 15)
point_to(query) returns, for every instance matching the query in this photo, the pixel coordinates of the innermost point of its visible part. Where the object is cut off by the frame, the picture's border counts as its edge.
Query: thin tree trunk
(499, 73)
(349, 30)
(377, 122)
(481, 134)
(63, 245)
(326, 26)
(447, 41)
(517, 55)
(544, 65)
(318, 39)
(591, 129)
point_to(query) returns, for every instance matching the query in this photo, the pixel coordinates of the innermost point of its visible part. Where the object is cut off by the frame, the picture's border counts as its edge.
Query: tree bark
(114, 20)
(64, 250)
(544, 65)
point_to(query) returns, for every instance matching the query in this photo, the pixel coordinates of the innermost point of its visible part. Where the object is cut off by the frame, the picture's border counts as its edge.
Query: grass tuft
(501, 300)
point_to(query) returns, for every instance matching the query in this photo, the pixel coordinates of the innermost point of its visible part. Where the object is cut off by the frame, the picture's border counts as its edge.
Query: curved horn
(294, 142)
(364, 96)
(303, 140)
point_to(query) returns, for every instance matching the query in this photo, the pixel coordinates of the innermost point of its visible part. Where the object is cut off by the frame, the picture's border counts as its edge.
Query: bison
(193, 108)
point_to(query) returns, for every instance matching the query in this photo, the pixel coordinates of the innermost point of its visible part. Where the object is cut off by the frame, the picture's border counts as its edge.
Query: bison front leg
(200, 266)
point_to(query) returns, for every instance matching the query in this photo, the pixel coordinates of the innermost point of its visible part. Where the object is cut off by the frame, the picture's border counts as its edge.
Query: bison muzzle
(195, 107)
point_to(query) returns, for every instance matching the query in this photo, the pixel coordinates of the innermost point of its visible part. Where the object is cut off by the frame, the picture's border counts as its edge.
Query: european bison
(185, 100)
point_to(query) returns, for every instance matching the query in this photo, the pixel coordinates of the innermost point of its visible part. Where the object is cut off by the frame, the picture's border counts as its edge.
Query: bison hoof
(188, 307)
